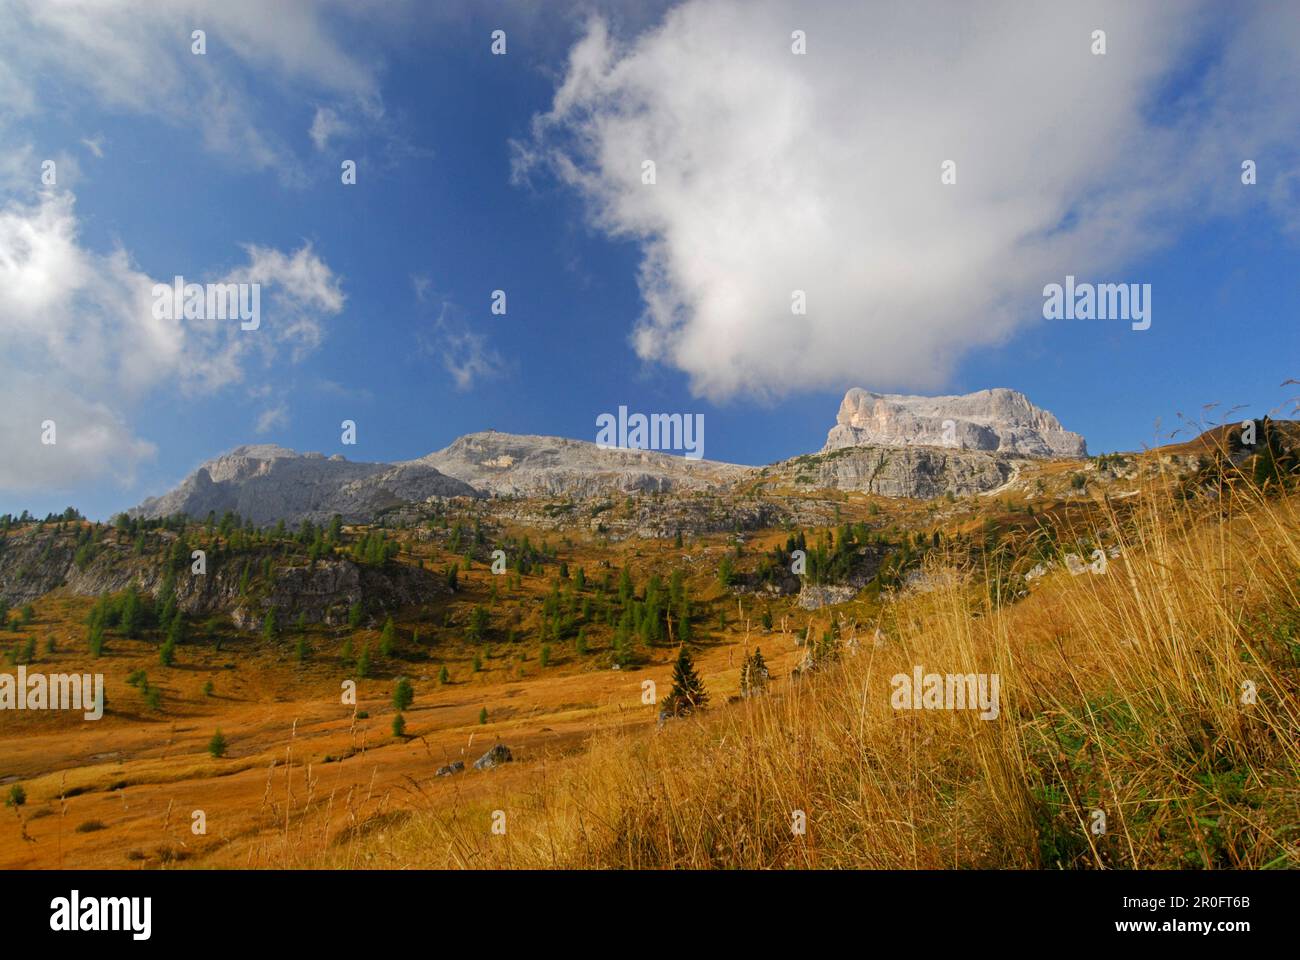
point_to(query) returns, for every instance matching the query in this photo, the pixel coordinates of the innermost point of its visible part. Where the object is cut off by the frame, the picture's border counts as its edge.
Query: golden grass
(1125, 692)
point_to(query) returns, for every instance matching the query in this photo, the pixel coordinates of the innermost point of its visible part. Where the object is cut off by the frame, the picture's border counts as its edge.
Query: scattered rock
(497, 755)
(454, 767)
(815, 597)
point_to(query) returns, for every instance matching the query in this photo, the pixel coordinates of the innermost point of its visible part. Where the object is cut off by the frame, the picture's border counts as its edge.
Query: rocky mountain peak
(1000, 420)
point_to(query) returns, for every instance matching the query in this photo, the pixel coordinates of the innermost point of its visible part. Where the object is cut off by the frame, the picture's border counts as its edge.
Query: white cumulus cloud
(81, 345)
(820, 173)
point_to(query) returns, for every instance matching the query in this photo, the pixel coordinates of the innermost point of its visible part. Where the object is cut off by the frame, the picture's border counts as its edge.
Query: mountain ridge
(890, 444)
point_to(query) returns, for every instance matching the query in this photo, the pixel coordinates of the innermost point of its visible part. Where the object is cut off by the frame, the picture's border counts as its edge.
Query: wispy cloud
(325, 126)
(463, 352)
(272, 418)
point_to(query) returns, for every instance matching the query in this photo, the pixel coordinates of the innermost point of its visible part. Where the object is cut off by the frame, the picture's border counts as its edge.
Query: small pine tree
(482, 715)
(444, 676)
(688, 691)
(346, 652)
(399, 726)
(354, 615)
(753, 675)
(17, 796)
(478, 663)
(302, 649)
(363, 663)
(269, 628)
(545, 657)
(387, 638)
(403, 694)
(217, 745)
(580, 644)
(208, 688)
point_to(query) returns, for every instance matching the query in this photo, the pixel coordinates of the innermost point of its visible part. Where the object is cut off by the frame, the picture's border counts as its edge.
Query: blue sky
(473, 176)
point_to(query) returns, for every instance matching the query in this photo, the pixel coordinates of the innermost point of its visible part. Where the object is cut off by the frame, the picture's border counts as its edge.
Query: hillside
(1119, 688)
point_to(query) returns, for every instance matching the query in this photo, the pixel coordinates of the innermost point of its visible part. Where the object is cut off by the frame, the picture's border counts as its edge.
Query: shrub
(17, 796)
(217, 745)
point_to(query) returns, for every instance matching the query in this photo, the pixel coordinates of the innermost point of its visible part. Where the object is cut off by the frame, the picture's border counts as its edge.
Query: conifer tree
(403, 694)
(753, 675)
(688, 689)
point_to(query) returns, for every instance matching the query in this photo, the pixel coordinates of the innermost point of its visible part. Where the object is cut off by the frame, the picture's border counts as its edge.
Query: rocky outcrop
(34, 563)
(509, 464)
(998, 420)
(495, 757)
(267, 483)
(920, 472)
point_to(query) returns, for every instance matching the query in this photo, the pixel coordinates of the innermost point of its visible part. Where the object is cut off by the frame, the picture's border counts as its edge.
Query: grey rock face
(815, 597)
(998, 420)
(530, 466)
(456, 766)
(495, 757)
(266, 483)
(32, 564)
(921, 472)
